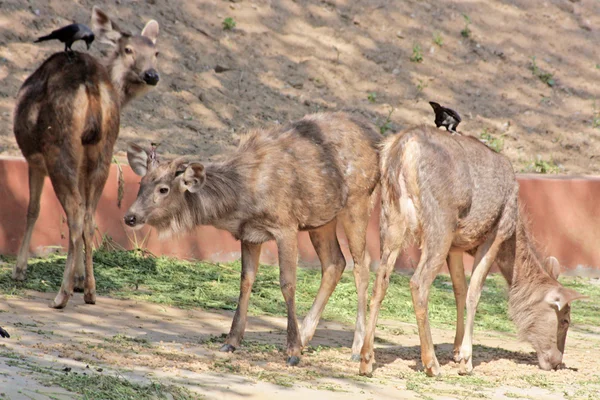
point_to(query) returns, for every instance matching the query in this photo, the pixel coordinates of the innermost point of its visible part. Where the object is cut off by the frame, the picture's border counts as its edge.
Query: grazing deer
(302, 177)
(66, 124)
(452, 194)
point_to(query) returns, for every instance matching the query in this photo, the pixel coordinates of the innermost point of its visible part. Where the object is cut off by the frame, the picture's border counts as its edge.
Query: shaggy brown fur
(452, 195)
(304, 176)
(66, 124)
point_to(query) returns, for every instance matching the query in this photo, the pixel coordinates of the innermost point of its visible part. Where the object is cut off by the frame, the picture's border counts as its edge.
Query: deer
(451, 194)
(303, 176)
(66, 123)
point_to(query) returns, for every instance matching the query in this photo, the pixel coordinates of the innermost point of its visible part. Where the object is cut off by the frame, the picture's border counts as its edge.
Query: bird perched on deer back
(445, 117)
(70, 34)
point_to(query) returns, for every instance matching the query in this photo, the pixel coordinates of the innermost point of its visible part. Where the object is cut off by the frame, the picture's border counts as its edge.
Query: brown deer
(452, 194)
(305, 176)
(66, 124)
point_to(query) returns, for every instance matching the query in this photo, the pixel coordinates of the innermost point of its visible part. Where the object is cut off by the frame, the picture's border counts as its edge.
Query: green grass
(466, 31)
(131, 275)
(228, 24)
(95, 386)
(541, 166)
(545, 77)
(417, 54)
(110, 387)
(124, 340)
(495, 143)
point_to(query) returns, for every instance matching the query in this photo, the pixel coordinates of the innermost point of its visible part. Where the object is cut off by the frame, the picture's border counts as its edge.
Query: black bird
(3, 333)
(70, 34)
(445, 117)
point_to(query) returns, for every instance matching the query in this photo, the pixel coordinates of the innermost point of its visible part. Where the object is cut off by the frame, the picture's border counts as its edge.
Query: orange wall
(564, 212)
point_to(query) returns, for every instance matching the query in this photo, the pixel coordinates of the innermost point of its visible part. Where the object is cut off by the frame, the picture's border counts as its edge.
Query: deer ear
(552, 266)
(138, 159)
(105, 30)
(560, 296)
(151, 30)
(193, 178)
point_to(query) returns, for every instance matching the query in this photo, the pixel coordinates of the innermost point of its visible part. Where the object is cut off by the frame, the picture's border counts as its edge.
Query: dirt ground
(144, 342)
(287, 58)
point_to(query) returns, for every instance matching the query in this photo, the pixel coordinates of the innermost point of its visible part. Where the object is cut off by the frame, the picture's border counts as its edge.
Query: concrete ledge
(564, 213)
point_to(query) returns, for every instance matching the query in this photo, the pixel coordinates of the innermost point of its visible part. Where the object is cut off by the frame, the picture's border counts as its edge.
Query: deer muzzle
(151, 77)
(130, 219)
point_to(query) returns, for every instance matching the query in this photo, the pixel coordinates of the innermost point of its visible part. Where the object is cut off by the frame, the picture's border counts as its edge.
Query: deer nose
(151, 77)
(130, 219)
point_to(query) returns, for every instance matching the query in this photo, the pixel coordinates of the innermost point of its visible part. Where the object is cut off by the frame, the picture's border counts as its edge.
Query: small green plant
(466, 32)
(417, 54)
(421, 85)
(387, 125)
(372, 97)
(228, 23)
(545, 77)
(541, 166)
(438, 39)
(493, 142)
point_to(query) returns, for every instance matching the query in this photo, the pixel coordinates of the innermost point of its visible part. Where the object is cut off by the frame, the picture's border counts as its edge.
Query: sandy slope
(288, 58)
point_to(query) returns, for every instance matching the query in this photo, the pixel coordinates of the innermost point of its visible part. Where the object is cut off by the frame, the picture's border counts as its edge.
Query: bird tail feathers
(44, 38)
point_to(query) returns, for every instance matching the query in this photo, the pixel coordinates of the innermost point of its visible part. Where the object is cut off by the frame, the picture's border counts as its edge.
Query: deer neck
(220, 196)
(118, 76)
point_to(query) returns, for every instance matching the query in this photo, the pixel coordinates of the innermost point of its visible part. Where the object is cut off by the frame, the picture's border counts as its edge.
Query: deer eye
(565, 322)
(163, 190)
(156, 54)
(128, 50)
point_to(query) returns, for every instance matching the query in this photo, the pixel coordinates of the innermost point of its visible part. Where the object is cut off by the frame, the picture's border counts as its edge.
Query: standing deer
(302, 177)
(452, 194)
(66, 124)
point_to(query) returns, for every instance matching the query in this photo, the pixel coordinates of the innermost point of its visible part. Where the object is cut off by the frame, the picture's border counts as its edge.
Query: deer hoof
(355, 358)
(59, 302)
(78, 286)
(227, 348)
(464, 371)
(365, 374)
(89, 298)
(433, 369)
(366, 369)
(18, 275)
(293, 361)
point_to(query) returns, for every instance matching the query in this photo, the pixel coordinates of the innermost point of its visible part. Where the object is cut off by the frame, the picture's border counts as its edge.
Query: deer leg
(355, 220)
(484, 258)
(393, 230)
(94, 184)
(71, 201)
(36, 184)
(79, 270)
(250, 257)
(326, 245)
(459, 285)
(382, 281)
(288, 258)
(432, 260)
